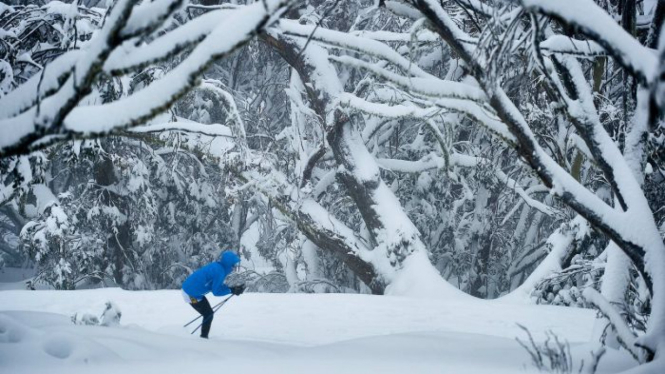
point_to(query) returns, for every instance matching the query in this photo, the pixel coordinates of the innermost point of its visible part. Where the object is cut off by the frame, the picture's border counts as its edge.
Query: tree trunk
(392, 233)
(119, 236)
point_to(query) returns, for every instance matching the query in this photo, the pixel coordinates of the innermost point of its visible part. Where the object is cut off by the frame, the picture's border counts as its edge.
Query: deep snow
(285, 333)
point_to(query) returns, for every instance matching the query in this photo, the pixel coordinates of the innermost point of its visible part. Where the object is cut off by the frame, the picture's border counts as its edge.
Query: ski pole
(219, 306)
(215, 308)
(194, 320)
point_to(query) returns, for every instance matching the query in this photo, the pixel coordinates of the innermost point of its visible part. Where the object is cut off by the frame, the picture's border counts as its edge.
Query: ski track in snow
(289, 333)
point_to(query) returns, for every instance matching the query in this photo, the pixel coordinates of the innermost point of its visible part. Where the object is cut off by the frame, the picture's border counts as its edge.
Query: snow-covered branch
(316, 223)
(39, 86)
(165, 46)
(560, 243)
(433, 161)
(410, 110)
(624, 335)
(591, 20)
(33, 125)
(148, 16)
(192, 127)
(58, 116)
(434, 88)
(360, 43)
(565, 45)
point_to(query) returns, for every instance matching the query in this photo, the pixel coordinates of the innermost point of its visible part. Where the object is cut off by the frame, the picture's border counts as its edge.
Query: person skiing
(210, 278)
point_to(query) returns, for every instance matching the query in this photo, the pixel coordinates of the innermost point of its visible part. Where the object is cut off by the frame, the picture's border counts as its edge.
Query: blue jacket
(210, 278)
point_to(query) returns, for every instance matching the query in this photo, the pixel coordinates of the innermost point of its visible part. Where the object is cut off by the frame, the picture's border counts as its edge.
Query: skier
(210, 278)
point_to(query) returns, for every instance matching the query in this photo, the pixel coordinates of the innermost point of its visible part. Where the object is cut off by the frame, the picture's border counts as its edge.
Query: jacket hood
(228, 260)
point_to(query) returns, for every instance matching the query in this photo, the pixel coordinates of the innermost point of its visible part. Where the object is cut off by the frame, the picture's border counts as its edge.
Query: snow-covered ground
(282, 333)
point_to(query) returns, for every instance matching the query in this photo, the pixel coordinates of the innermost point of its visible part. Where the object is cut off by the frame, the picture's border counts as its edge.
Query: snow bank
(313, 319)
(282, 333)
(34, 345)
(418, 278)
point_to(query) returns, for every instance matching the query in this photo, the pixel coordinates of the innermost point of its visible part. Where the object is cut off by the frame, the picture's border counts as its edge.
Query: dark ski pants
(204, 309)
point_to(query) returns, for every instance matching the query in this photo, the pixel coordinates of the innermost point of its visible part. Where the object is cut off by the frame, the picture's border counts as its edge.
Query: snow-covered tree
(148, 208)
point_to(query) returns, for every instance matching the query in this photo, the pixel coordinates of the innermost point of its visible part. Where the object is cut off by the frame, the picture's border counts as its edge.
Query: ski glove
(237, 290)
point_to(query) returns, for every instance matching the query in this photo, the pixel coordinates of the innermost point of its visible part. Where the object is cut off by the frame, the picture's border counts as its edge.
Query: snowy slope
(285, 333)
